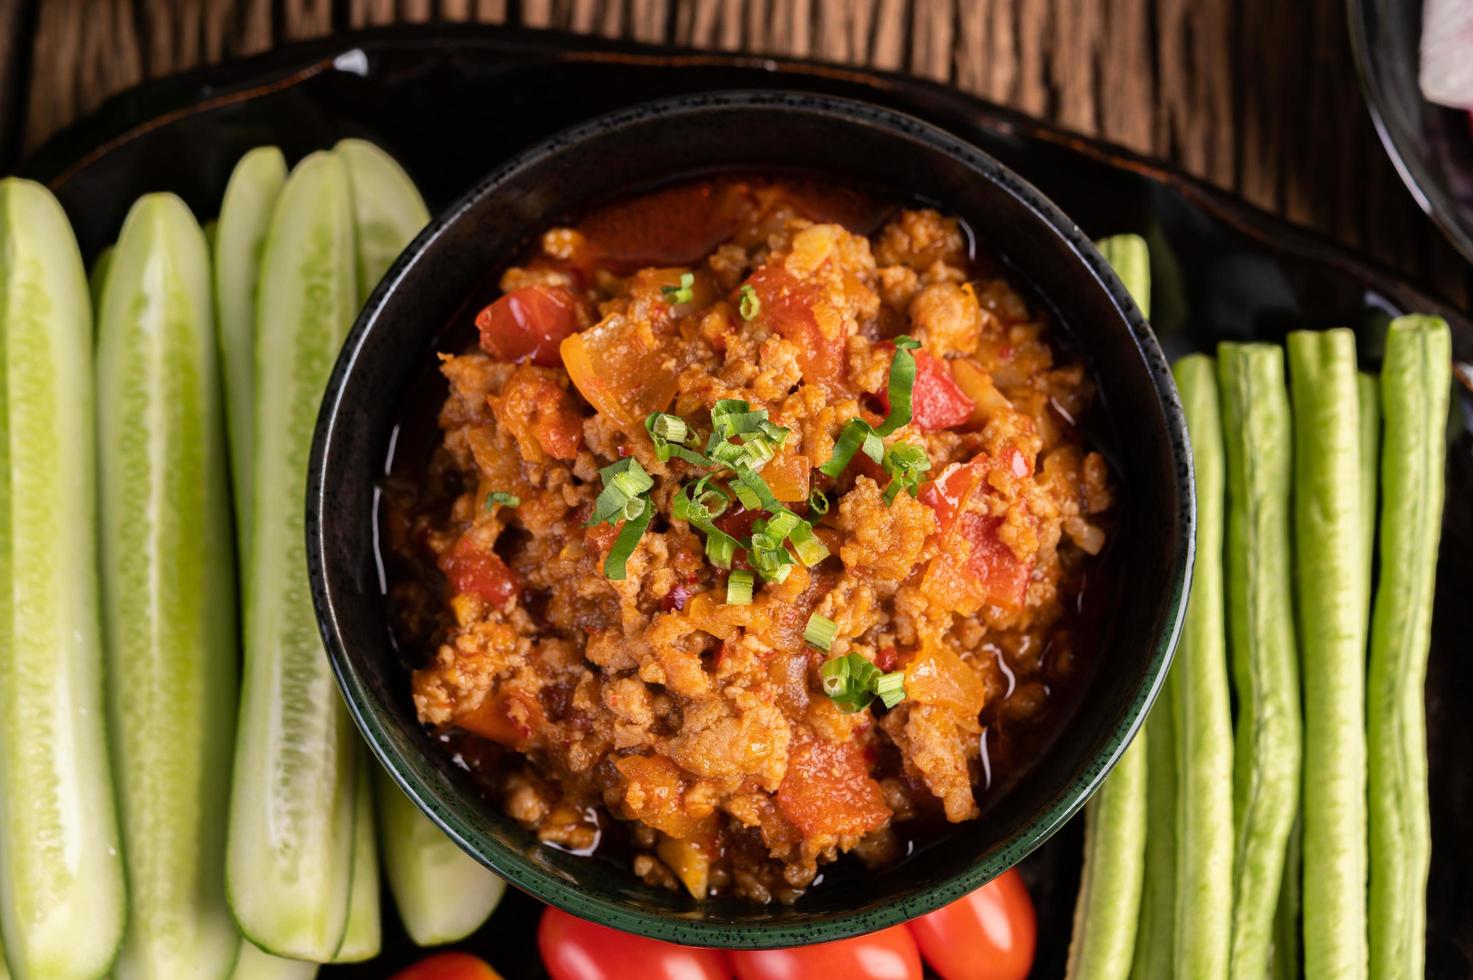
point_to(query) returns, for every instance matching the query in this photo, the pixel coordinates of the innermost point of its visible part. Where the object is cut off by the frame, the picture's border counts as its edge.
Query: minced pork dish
(759, 521)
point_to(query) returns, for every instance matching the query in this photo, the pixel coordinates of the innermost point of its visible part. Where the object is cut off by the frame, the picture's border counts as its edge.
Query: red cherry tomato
(988, 935)
(449, 966)
(576, 950)
(528, 324)
(889, 954)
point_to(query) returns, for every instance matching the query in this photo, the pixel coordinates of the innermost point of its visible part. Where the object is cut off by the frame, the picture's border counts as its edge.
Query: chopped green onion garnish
(747, 496)
(720, 547)
(907, 465)
(810, 549)
(852, 682)
(857, 435)
(902, 380)
(821, 631)
(750, 304)
(890, 688)
(625, 544)
(503, 498)
(683, 293)
(818, 501)
(774, 433)
(739, 588)
(622, 481)
(782, 524)
(666, 426)
(672, 437)
(747, 477)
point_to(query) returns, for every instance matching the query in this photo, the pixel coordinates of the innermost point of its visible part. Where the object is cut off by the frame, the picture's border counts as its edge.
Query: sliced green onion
(672, 437)
(503, 498)
(907, 465)
(810, 549)
(749, 499)
(720, 547)
(750, 304)
(625, 544)
(783, 523)
(890, 688)
(683, 293)
(902, 380)
(773, 433)
(850, 682)
(739, 588)
(662, 425)
(747, 477)
(857, 435)
(821, 631)
(622, 482)
(818, 501)
(723, 453)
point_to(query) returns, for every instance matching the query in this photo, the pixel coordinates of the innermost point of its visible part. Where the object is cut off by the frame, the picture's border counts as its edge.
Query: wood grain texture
(1257, 96)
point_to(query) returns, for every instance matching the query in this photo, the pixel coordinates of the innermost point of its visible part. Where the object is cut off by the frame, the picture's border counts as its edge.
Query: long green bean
(1155, 935)
(1204, 739)
(1331, 599)
(1266, 756)
(1108, 907)
(1414, 390)
(1368, 401)
(1285, 964)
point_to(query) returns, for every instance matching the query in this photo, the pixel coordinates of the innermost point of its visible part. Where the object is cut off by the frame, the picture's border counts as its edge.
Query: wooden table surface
(1259, 96)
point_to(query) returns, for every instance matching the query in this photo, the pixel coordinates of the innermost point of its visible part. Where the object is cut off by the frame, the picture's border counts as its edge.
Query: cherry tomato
(528, 324)
(449, 966)
(576, 950)
(988, 935)
(889, 954)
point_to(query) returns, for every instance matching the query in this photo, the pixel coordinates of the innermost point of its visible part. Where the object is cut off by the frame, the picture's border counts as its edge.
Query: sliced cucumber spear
(442, 893)
(240, 234)
(387, 209)
(97, 278)
(168, 586)
(365, 935)
(61, 875)
(290, 856)
(257, 964)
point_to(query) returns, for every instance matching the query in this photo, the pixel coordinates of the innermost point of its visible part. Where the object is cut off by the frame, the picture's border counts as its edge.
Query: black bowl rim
(519, 869)
(1401, 144)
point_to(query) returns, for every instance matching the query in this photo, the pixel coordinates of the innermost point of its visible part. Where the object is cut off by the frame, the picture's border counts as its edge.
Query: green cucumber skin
(257, 964)
(442, 893)
(1331, 600)
(168, 578)
(240, 235)
(1108, 908)
(97, 278)
(289, 859)
(387, 207)
(62, 895)
(364, 936)
(1258, 437)
(1200, 698)
(1415, 380)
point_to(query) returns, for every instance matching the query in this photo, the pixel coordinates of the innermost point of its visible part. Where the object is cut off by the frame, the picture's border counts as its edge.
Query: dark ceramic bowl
(1430, 145)
(396, 336)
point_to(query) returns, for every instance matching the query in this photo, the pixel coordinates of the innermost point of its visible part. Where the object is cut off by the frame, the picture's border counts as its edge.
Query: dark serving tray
(452, 102)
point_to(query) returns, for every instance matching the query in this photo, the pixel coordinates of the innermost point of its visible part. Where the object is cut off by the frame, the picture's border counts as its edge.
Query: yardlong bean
(1331, 601)
(1368, 401)
(1414, 391)
(1258, 436)
(1204, 811)
(1108, 908)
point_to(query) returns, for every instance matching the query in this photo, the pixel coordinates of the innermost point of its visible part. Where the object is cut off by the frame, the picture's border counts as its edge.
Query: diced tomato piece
(936, 400)
(510, 718)
(938, 676)
(472, 570)
(946, 494)
(976, 568)
(788, 475)
(622, 369)
(528, 324)
(828, 790)
(788, 307)
(655, 795)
